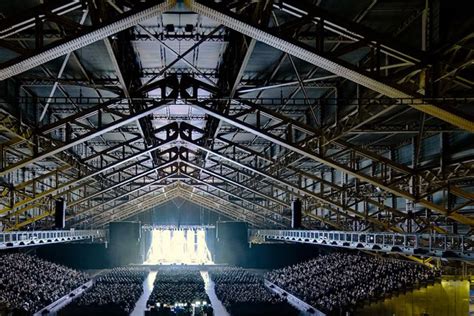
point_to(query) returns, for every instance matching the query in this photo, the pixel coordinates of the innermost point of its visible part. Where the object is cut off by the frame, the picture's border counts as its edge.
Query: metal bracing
(81, 38)
(331, 196)
(298, 137)
(424, 245)
(133, 196)
(117, 166)
(244, 203)
(240, 49)
(295, 171)
(328, 195)
(206, 199)
(247, 196)
(97, 164)
(126, 190)
(70, 140)
(349, 30)
(209, 189)
(221, 14)
(182, 190)
(309, 128)
(164, 195)
(228, 195)
(389, 176)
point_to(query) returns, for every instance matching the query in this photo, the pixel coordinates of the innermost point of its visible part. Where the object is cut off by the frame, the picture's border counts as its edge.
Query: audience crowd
(113, 293)
(178, 285)
(244, 293)
(339, 281)
(28, 284)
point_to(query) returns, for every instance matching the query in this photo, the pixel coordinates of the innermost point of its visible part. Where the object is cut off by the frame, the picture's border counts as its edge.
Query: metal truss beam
(256, 211)
(288, 141)
(122, 194)
(110, 206)
(221, 14)
(159, 197)
(246, 204)
(78, 190)
(84, 37)
(349, 30)
(180, 190)
(291, 179)
(70, 140)
(196, 195)
(96, 163)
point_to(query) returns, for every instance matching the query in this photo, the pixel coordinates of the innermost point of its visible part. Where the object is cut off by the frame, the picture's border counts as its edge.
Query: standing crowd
(28, 284)
(113, 293)
(339, 281)
(244, 293)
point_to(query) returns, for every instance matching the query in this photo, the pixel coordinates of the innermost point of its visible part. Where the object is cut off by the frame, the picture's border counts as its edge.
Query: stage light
(184, 246)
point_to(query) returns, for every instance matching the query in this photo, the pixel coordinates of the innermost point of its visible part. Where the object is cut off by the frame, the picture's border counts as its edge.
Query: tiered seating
(28, 284)
(339, 281)
(244, 293)
(113, 293)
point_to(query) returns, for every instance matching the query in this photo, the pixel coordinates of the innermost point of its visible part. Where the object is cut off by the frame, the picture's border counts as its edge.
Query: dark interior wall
(231, 243)
(178, 212)
(126, 244)
(258, 256)
(75, 255)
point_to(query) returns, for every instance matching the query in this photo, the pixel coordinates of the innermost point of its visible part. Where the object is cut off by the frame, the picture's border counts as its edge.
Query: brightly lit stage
(177, 245)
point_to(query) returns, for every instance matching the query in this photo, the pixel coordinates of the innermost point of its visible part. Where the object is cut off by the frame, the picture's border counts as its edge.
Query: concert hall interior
(236, 158)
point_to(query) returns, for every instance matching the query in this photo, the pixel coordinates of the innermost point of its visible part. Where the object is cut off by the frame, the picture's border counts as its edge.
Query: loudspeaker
(60, 214)
(296, 214)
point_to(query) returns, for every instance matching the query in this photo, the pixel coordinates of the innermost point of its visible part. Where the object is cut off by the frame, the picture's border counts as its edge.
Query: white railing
(437, 245)
(44, 237)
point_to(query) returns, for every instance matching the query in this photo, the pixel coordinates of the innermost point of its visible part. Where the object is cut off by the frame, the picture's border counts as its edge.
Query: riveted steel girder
(221, 14)
(313, 154)
(47, 152)
(186, 192)
(97, 163)
(83, 37)
(254, 165)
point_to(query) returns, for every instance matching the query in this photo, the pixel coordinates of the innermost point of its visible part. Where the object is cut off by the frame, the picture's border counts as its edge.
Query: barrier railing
(433, 245)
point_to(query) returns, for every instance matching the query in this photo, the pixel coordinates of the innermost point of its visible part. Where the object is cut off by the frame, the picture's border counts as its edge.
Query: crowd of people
(178, 287)
(28, 284)
(339, 281)
(113, 293)
(244, 293)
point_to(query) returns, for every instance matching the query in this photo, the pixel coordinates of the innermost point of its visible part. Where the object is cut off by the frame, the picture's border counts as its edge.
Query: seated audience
(244, 293)
(339, 281)
(28, 284)
(113, 293)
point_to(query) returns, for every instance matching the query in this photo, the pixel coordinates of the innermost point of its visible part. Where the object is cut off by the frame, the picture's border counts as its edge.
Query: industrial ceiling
(362, 109)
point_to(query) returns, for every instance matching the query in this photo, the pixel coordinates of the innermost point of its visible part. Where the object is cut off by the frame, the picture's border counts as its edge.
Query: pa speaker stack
(60, 214)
